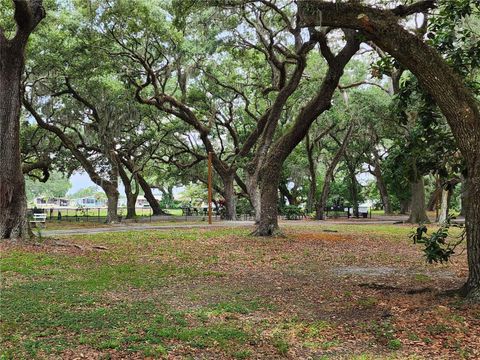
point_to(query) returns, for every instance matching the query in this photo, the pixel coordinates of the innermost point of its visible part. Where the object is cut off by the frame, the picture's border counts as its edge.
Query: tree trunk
(112, 205)
(271, 157)
(13, 203)
(132, 197)
(311, 197)
(463, 196)
(131, 205)
(282, 201)
(312, 167)
(354, 192)
(322, 202)
(129, 193)
(418, 214)
(404, 206)
(254, 194)
(381, 186)
(312, 191)
(444, 207)
(268, 224)
(229, 196)
(382, 189)
(472, 214)
(434, 197)
(111, 186)
(147, 191)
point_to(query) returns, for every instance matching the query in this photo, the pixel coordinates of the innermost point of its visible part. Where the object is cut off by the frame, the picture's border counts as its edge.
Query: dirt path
(138, 227)
(217, 224)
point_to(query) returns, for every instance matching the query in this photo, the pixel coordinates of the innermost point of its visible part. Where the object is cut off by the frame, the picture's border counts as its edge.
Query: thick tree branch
(42, 164)
(360, 83)
(28, 13)
(418, 7)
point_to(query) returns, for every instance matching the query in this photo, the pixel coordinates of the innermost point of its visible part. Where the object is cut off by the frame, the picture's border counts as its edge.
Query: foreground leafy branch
(440, 245)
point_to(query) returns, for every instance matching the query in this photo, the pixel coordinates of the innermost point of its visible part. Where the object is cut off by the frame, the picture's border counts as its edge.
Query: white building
(49, 202)
(88, 201)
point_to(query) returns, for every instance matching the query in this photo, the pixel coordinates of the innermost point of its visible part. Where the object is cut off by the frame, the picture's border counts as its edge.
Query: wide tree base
(418, 220)
(470, 293)
(112, 222)
(19, 231)
(271, 230)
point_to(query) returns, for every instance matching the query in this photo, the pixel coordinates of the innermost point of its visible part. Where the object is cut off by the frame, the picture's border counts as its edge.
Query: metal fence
(99, 215)
(347, 212)
(85, 214)
(146, 214)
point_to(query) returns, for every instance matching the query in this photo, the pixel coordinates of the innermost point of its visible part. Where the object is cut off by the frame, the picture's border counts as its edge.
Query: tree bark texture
(268, 225)
(254, 195)
(382, 189)
(405, 206)
(148, 193)
(444, 206)
(463, 196)
(131, 205)
(462, 207)
(13, 202)
(434, 199)
(130, 193)
(417, 212)
(354, 191)
(112, 204)
(472, 213)
(312, 168)
(229, 196)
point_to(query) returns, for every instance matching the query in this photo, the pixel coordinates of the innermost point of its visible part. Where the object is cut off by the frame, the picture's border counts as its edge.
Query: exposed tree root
(471, 294)
(272, 231)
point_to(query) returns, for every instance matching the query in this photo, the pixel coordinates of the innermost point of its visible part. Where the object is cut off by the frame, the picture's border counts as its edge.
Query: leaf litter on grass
(244, 297)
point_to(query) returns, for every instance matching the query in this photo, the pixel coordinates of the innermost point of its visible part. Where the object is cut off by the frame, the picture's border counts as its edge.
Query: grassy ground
(92, 221)
(66, 225)
(363, 292)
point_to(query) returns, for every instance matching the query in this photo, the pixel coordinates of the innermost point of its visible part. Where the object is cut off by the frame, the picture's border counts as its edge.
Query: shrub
(292, 212)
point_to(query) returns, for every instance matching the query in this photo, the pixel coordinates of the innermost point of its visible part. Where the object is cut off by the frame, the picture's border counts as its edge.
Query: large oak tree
(13, 205)
(456, 101)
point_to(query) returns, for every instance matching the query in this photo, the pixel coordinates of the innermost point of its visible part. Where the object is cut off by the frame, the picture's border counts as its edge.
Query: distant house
(47, 202)
(142, 202)
(89, 201)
